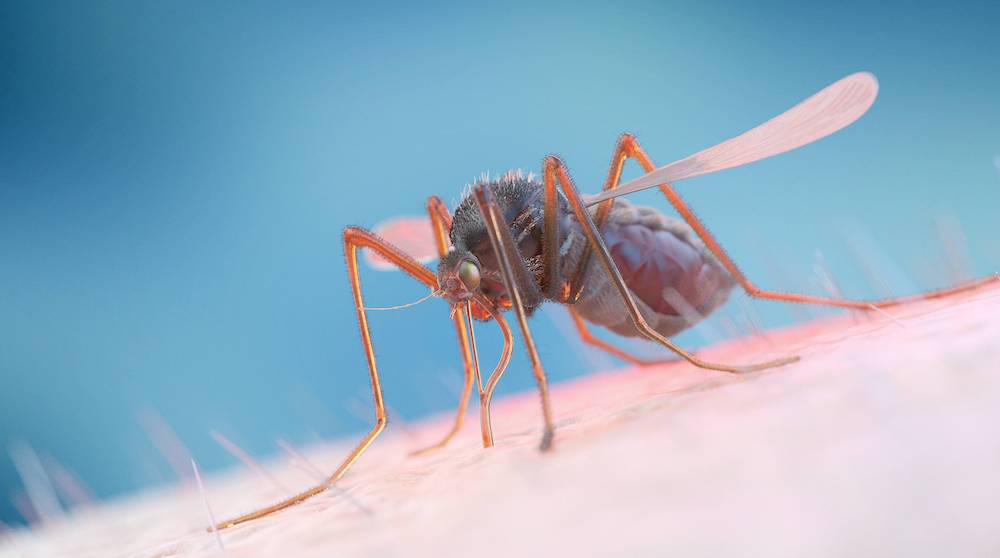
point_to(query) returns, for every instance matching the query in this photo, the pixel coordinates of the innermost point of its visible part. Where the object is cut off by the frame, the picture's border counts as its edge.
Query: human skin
(883, 440)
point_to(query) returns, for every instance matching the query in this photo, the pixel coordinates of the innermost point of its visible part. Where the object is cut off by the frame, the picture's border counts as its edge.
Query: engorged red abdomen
(652, 261)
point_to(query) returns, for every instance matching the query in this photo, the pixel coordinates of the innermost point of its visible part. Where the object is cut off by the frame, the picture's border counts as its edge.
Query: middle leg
(590, 339)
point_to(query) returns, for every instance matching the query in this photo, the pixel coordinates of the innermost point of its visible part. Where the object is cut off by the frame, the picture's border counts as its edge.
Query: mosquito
(515, 242)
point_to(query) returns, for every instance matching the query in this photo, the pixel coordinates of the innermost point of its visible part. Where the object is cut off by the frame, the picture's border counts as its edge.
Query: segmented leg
(486, 393)
(519, 283)
(590, 339)
(480, 308)
(554, 172)
(625, 148)
(355, 238)
(629, 147)
(441, 223)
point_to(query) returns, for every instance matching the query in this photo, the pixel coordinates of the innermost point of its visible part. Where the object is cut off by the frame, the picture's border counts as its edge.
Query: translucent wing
(833, 108)
(413, 235)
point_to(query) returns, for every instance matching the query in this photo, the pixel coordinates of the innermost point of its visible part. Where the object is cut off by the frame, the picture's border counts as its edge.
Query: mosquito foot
(546, 444)
(772, 364)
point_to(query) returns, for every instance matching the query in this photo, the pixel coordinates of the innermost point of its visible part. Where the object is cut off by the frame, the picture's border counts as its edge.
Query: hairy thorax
(672, 276)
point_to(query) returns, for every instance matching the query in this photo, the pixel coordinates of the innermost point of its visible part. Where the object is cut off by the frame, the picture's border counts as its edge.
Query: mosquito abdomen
(674, 278)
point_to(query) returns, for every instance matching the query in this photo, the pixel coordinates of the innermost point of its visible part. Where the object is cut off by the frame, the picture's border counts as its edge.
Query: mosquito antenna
(433, 294)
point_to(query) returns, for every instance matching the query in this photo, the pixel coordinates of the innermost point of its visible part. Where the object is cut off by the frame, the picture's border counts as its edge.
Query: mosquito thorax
(521, 201)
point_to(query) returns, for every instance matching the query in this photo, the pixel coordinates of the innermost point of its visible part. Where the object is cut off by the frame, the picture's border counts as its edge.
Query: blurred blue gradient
(174, 178)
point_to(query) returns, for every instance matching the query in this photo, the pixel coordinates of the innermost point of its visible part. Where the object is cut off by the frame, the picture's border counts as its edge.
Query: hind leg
(628, 147)
(554, 172)
(589, 338)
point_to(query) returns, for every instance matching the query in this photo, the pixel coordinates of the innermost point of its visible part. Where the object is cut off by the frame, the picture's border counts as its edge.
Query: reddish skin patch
(881, 441)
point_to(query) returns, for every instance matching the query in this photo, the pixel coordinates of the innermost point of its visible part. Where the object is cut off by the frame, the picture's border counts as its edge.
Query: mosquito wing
(413, 235)
(833, 108)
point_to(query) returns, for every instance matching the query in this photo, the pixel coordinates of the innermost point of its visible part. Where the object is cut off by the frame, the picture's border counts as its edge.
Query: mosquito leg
(590, 339)
(631, 148)
(480, 308)
(554, 171)
(486, 393)
(550, 245)
(625, 148)
(440, 221)
(355, 238)
(623, 151)
(517, 280)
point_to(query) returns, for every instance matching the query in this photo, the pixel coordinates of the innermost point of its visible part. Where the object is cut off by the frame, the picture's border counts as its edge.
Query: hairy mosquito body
(667, 269)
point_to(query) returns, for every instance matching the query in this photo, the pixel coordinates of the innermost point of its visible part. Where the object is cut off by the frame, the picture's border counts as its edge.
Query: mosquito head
(459, 275)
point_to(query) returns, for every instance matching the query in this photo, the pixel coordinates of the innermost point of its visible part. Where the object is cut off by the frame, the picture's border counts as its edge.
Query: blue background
(174, 179)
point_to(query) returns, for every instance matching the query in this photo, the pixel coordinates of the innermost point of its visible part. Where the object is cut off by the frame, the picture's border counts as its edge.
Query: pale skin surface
(881, 441)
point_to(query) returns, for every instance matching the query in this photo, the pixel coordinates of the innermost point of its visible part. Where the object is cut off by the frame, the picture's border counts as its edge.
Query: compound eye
(468, 272)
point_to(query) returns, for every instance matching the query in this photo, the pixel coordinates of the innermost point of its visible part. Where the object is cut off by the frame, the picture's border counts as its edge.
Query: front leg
(440, 223)
(354, 239)
(516, 278)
